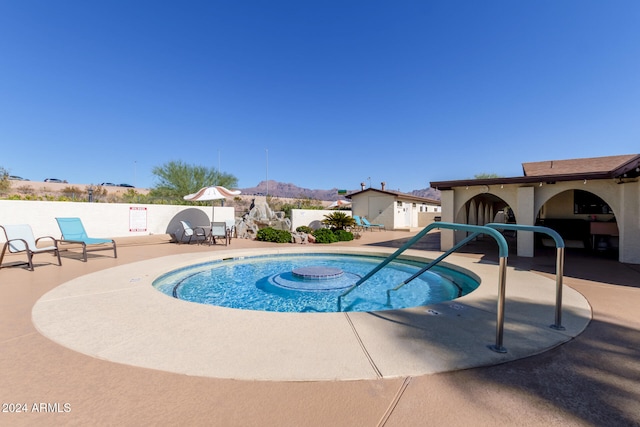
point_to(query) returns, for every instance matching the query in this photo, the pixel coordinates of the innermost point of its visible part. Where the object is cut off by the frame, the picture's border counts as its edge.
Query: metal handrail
(431, 264)
(560, 246)
(503, 252)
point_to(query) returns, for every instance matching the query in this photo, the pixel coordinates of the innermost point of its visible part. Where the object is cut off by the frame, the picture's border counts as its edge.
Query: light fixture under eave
(540, 184)
(585, 181)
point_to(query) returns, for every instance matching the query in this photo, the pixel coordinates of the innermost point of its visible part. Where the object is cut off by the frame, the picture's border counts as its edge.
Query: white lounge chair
(189, 233)
(20, 239)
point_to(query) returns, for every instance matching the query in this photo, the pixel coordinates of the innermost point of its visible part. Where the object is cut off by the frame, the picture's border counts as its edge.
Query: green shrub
(343, 236)
(338, 220)
(324, 235)
(304, 229)
(272, 235)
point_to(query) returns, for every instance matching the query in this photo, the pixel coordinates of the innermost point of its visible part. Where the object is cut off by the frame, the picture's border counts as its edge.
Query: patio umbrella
(338, 204)
(211, 193)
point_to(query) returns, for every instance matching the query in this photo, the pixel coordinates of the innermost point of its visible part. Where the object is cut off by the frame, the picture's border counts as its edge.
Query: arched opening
(583, 219)
(483, 209)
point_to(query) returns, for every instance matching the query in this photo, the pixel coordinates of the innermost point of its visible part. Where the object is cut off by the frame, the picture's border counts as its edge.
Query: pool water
(267, 283)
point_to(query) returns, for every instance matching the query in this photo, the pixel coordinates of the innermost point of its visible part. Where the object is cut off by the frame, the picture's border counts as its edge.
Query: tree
(486, 176)
(5, 184)
(176, 179)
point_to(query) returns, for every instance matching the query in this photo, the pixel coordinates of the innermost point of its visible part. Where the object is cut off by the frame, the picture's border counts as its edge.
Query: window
(585, 202)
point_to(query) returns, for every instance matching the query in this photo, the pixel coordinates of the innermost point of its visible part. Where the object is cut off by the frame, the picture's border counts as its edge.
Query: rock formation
(260, 216)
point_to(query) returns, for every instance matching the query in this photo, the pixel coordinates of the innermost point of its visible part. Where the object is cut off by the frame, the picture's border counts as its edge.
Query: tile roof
(611, 167)
(576, 166)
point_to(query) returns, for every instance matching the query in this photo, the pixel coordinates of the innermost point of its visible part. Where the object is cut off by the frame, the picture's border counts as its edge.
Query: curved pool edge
(117, 315)
(313, 282)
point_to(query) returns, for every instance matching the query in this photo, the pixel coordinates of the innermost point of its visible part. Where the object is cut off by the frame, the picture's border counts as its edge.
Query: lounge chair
(20, 239)
(191, 233)
(360, 226)
(219, 229)
(370, 226)
(73, 232)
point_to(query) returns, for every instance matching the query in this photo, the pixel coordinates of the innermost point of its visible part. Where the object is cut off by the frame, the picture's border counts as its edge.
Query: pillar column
(525, 215)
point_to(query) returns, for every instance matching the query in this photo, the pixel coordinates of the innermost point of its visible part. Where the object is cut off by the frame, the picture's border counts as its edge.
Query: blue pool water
(280, 283)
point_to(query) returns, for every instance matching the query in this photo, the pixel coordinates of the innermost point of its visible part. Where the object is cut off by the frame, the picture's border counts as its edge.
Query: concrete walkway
(591, 380)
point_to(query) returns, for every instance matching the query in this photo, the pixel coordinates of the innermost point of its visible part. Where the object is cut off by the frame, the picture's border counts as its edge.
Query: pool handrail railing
(431, 264)
(503, 253)
(560, 247)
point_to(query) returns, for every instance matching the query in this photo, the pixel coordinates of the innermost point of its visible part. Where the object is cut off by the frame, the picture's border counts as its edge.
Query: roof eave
(448, 185)
(399, 195)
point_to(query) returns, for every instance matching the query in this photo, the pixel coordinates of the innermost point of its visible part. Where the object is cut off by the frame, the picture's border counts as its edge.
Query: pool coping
(116, 315)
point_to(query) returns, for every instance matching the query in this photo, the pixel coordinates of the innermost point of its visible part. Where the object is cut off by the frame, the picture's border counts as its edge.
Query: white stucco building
(393, 209)
(593, 203)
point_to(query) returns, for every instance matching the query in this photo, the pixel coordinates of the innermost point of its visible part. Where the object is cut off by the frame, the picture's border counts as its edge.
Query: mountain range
(288, 190)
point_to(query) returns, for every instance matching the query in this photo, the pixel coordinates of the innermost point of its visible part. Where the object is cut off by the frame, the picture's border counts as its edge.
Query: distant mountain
(288, 190)
(428, 193)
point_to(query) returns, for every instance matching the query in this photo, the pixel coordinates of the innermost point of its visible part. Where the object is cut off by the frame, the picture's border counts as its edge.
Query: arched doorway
(482, 209)
(584, 220)
(485, 208)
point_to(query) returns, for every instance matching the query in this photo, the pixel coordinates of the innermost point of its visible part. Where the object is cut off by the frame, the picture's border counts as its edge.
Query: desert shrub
(324, 235)
(25, 189)
(304, 229)
(71, 193)
(272, 235)
(343, 235)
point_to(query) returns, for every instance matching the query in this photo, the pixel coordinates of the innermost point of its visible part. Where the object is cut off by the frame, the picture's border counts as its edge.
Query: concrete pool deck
(390, 359)
(93, 314)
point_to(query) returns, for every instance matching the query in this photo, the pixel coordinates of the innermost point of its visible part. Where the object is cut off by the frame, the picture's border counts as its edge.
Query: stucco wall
(426, 218)
(527, 200)
(110, 220)
(310, 217)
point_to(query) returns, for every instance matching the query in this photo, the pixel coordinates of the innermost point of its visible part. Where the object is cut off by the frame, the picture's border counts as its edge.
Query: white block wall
(110, 220)
(310, 217)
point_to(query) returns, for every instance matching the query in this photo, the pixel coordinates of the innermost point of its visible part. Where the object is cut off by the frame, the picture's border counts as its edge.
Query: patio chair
(73, 232)
(231, 227)
(20, 239)
(191, 233)
(370, 226)
(360, 226)
(219, 229)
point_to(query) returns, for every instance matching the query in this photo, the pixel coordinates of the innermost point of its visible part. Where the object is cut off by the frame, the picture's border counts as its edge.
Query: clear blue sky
(321, 94)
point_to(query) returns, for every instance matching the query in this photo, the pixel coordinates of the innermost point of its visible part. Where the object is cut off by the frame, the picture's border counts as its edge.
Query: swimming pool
(312, 283)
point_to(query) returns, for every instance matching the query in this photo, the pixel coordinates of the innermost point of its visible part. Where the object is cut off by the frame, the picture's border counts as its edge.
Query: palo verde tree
(176, 179)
